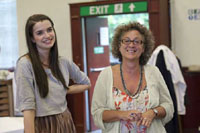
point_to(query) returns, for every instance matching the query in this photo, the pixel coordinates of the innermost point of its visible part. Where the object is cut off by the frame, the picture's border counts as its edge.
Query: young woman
(42, 79)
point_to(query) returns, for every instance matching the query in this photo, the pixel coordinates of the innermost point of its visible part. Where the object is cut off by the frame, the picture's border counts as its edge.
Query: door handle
(98, 38)
(97, 69)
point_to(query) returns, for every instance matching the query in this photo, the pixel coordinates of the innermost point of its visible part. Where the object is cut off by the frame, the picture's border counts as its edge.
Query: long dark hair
(40, 74)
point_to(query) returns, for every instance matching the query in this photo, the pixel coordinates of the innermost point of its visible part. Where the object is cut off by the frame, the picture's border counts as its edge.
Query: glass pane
(8, 34)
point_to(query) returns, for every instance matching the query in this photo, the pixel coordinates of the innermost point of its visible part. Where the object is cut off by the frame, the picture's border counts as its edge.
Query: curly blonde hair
(148, 43)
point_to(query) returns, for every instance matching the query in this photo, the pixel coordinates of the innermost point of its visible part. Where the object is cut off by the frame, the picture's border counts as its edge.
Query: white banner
(185, 27)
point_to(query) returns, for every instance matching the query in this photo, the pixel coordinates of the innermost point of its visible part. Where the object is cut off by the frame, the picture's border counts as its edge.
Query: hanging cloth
(173, 67)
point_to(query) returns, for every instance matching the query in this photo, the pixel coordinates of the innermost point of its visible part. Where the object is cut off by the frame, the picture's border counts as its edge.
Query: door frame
(159, 23)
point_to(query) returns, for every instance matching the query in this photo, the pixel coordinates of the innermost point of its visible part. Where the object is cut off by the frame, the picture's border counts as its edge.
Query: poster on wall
(104, 38)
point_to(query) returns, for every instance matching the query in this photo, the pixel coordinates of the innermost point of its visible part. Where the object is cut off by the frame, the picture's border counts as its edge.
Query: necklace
(124, 85)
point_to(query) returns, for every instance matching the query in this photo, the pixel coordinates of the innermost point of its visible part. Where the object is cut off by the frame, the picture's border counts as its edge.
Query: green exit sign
(113, 8)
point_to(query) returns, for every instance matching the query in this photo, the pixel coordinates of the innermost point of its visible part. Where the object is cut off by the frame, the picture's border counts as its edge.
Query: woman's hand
(147, 118)
(116, 115)
(132, 115)
(77, 88)
(149, 115)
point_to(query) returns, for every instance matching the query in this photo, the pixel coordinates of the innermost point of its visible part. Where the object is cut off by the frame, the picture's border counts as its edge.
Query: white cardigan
(158, 96)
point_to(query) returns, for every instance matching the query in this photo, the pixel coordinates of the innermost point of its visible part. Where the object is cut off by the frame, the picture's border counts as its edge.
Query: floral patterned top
(125, 102)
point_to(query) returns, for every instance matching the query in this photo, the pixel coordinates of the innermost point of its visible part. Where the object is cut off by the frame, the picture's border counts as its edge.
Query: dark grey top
(28, 96)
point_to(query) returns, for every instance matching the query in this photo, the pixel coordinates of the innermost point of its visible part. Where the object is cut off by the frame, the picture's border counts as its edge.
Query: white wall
(58, 11)
(185, 31)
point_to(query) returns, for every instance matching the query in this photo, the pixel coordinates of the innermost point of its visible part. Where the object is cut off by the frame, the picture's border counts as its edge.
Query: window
(8, 34)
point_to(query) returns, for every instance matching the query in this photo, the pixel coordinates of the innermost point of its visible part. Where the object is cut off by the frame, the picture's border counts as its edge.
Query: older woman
(131, 96)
